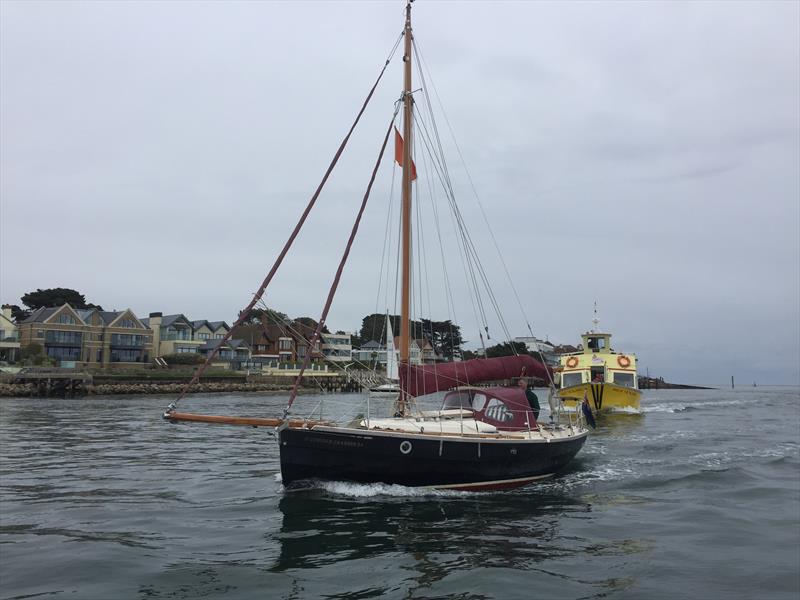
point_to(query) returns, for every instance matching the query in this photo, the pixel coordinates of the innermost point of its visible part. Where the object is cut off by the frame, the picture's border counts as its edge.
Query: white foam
(677, 407)
(718, 460)
(661, 408)
(626, 410)
(371, 490)
(674, 434)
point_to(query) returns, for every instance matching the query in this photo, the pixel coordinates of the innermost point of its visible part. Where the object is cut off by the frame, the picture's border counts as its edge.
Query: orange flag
(398, 153)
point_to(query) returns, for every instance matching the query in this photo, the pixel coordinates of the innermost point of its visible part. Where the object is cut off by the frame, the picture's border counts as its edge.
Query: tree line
(49, 298)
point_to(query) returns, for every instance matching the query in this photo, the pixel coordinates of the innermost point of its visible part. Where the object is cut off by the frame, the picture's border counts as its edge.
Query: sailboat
(480, 438)
(391, 388)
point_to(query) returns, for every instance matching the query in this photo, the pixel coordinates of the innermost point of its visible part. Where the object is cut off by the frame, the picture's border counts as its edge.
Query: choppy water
(99, 498)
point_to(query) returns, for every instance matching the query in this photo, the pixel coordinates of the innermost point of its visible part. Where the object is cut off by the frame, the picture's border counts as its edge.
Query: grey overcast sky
(644, 155)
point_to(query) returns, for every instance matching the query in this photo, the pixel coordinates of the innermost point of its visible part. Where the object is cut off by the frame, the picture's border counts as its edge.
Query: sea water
(697, 497)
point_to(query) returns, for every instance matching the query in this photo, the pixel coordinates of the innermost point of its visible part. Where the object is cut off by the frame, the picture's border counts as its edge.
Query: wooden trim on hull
(413, 461)
(488, 486)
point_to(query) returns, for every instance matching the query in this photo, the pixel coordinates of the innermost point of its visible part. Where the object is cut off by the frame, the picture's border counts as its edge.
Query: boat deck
(463, 427)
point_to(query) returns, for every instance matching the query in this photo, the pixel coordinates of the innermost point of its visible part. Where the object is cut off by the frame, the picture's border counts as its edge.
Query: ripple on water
(704, 497)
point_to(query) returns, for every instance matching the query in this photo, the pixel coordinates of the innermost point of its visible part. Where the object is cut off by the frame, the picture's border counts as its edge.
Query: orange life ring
(623, 361)
(572, 361)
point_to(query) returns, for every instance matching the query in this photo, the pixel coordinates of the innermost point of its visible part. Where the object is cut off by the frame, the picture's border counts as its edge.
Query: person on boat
(598, 378)
(533, 400)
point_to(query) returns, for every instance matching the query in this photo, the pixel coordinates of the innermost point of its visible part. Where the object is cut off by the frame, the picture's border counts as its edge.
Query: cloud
(643, 155)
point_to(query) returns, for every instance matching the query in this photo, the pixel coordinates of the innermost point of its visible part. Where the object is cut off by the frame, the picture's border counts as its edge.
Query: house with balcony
(371, 353)
(337, 347)
(210, 330)
(9, 337)
(172, 334)
(232, 352)
(88, 337)
(285, 342)
(420, 351)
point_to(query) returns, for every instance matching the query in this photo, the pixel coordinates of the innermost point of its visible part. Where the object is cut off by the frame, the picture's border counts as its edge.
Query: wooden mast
(405, 342)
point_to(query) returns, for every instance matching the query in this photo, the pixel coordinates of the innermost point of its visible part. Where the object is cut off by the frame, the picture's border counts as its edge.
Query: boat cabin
(598, 362)
(504, 407)
(594, 343)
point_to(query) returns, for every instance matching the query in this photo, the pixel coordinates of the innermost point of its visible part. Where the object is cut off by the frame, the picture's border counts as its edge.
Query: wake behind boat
(480, 437)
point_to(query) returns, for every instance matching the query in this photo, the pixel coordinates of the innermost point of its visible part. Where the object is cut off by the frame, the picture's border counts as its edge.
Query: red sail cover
(418, 380)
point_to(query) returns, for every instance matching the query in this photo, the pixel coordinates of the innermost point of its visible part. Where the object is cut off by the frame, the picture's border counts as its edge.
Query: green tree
(186, 358)
(266, 316)
(311, 324)
(33, 354)
(445, 337)
(373, 327)
(56, 297)
(18, 314)
(506, 349)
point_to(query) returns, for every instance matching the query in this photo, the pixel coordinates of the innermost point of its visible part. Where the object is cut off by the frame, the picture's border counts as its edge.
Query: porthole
(405, 447)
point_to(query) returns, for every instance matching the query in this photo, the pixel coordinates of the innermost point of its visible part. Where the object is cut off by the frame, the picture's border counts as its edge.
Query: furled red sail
(418, 380)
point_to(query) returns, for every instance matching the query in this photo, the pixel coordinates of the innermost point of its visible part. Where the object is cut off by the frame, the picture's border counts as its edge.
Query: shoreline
(30, 390)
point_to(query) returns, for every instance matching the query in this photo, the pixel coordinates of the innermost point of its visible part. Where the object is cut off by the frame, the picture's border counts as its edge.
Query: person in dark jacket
(531, 396)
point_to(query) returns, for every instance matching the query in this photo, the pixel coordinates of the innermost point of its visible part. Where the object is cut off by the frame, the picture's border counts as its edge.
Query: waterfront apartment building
(176, 334)
(543, 347)
(337, 347)
(9, 337)
(373, 353)
(88, 337)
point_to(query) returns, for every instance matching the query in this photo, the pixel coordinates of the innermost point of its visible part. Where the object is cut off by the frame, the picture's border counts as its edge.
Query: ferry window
(478, 402)
(498, 411)
(597, 343)
(570, 379)
(624, 379)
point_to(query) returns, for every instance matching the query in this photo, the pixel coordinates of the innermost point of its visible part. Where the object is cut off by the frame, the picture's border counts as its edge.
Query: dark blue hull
(414, 460)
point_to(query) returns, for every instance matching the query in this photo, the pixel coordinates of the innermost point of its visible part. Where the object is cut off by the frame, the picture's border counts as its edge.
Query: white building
(545, 348)
(337, 347)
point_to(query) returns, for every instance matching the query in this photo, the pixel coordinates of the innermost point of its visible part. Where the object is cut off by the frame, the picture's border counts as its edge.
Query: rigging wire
(469, 242)
(422, 63)
(260, 292)
(387, 242)
(469, 271)
(342, 263)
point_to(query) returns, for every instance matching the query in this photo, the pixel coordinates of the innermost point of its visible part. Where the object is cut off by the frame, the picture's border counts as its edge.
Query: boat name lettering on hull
(335, 443)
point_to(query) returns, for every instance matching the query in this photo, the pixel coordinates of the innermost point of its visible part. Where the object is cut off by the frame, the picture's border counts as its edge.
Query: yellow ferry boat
(605, 377)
